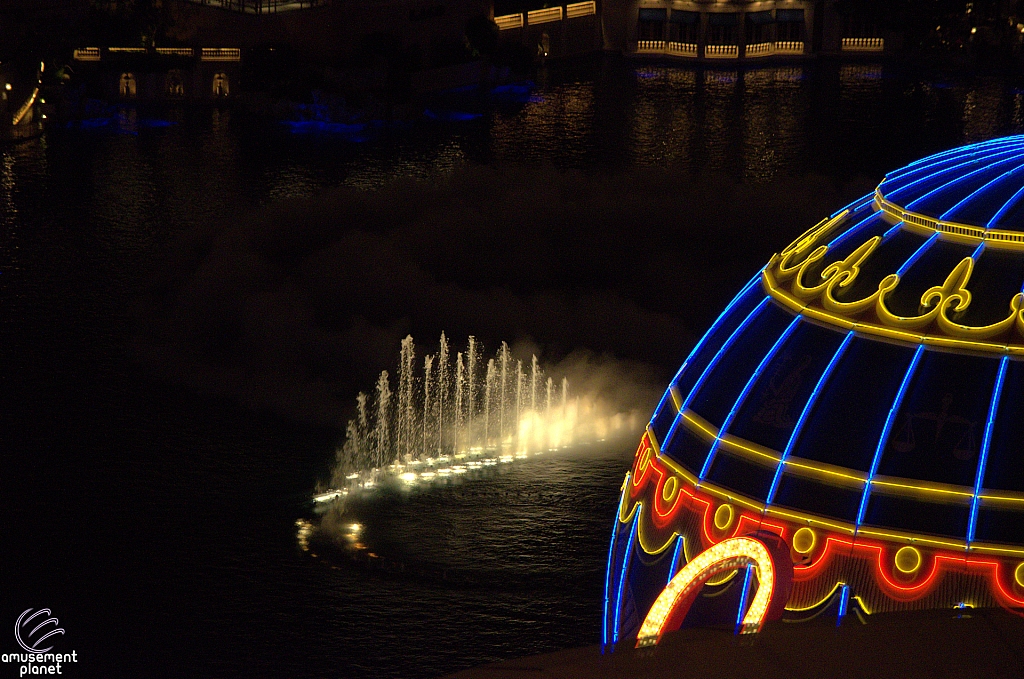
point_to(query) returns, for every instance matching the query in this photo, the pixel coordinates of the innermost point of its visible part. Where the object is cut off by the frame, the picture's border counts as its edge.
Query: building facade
(734, 29)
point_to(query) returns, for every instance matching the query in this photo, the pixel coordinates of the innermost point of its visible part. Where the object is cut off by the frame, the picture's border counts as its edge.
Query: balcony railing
(509, 21)
(689, 49)
(262, 6)
(722, 51)
(543, 16)
(175, 51)
(767, 49)
(789, 47)
(580, 9)
(87, 54)
(863, 44)
(206, 53)
(650, 46)
(686, 49)
(221, 54)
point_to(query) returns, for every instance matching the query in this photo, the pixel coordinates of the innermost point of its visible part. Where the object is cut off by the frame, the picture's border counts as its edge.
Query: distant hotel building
(214, 36)
(702, 30)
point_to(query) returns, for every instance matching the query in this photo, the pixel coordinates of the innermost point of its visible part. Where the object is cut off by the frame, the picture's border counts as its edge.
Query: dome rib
(980, 192)
(952, 158)
(959, 151)
(746, 391)
(891, 193)
(1013, 200)
(993, 409)
(808, 407)
(937, 191)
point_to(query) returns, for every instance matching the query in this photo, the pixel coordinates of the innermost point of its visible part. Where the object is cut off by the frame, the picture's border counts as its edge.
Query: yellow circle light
(804, 540)
(1018, 574)
(669, 490)
(908, 560)
(723, 516)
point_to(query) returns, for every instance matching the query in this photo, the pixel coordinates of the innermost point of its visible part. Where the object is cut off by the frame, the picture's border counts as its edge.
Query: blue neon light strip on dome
(622, 575)
(714, 326)
(974, 194)
(884, 438)
(1006, 206)
(608, 573)
(860, 203)
(675, 558)
(960, 150)
(945, 156)
(959, 179)
(803, 415)
(943, 160)
(917, 255)
(986, 442)
(743, 598)
(977, 251)
(853, 229)
(895, 227)
(710, 366)
(948, 170)
(972, 159)
(743, 395)
(844, 601)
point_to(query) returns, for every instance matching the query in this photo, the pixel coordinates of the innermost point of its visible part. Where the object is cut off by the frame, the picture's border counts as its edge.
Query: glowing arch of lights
(766, 552)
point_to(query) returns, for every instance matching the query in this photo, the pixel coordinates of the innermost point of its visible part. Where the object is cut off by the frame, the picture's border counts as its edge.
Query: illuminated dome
(851, 429)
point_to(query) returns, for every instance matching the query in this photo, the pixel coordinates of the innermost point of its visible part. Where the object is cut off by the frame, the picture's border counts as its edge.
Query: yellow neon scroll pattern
(674, 601)
(788, 278)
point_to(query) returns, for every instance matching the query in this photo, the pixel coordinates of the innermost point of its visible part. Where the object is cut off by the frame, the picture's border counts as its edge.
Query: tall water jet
(489, 391)
(565, 395)
(428, 405)
(363, 421)
(534, 375)
(520, 379)
(444, 389)
(471, 358)
(503, 356)
(348, 455)
(405, 405)
(547, 414)
(382, 430)
(460, 379)
(563, 417)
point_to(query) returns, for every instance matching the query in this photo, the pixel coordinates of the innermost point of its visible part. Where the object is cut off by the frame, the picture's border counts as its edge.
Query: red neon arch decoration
(766, 552)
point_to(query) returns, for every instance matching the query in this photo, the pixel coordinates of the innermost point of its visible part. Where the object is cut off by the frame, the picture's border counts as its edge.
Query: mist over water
(190, 312)
(297, 307)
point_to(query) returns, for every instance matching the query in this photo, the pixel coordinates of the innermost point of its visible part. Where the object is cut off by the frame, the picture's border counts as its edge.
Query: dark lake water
(157, 522)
